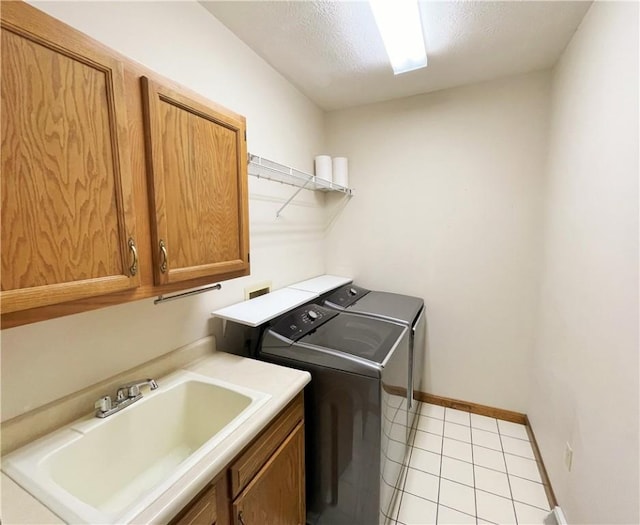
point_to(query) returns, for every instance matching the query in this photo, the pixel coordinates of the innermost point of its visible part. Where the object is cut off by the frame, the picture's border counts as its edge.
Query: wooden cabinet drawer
(275, 496)
(251, 460)
(201, 511)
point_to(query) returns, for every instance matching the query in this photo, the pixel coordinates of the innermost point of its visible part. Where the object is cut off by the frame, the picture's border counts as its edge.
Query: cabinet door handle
(163, 254)
(241, 519)
(133, 269)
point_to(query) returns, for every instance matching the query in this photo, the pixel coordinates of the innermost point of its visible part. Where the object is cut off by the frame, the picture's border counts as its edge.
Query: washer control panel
(347, 295)
(301, 321)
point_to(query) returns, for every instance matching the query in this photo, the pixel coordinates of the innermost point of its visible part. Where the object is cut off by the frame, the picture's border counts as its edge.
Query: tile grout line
(406, 475)
(470, 443)
(393, 521)
(482, 446)
(484, 429)
(526, 440)
(444, 415)
(413, 432)
(473, 470)
(502, 453)
(513, 503)
(406, 472)
(457, 510)
(483, 466)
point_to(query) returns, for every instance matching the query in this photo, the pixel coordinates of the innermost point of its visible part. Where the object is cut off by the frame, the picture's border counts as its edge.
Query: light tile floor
(465, 468)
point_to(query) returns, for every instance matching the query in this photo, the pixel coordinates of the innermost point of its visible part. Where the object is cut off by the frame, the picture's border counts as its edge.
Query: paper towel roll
(341, 171)
(323, 167)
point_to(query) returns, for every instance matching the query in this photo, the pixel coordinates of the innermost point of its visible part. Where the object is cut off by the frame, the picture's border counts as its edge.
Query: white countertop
(255, 312)
(321, 284)
(283, 384)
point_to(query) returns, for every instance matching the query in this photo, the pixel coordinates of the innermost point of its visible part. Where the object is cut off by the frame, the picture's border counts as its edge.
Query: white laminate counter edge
(20, 507)
(321, 284)
(281, 383)
(255, 312)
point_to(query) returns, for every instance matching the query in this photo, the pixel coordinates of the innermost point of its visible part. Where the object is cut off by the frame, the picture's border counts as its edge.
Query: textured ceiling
(332, 50)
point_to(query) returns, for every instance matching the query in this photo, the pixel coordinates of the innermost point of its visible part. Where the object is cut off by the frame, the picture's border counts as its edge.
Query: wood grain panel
(251, 460)
(33, 315)
(204, 203)
(202, 510)
(60, 218)
(198, 184)
(276, 495)
(66, 184)
(21, 18)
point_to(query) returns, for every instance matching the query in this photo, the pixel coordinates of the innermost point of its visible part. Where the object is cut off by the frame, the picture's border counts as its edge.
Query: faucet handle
(133, 389)
(103, 404)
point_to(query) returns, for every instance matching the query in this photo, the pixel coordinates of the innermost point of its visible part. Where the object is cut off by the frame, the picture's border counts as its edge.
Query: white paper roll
(341, 171)
(323, 167)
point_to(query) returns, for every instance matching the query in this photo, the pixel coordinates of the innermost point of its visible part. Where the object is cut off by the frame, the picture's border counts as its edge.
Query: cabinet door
(197, 167)
(276, 495)
(68, 228)
(203, 511)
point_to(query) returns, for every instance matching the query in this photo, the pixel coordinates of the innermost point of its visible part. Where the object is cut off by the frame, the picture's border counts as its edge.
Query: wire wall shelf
(262, 168)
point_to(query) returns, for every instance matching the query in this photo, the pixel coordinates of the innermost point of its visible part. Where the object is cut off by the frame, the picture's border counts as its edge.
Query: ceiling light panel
(401, 29)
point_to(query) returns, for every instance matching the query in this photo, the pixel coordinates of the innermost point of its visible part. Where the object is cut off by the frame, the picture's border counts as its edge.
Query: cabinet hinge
(245, 135)
(248, 257)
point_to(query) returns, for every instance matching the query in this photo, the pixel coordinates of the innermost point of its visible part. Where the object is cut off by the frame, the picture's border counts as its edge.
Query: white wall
(585, 366)
(451, 204)
(184, 42)
(447, 207)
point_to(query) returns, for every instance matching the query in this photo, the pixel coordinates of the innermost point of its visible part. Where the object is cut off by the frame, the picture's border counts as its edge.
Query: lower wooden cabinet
(263, 485)
(274, 496)
(202, 510)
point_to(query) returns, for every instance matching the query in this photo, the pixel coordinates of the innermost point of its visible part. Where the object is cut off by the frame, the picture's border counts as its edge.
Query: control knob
(312, 315)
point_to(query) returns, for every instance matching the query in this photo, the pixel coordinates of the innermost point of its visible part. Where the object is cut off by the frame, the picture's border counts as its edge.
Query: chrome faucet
(132, 390)
(125, 396)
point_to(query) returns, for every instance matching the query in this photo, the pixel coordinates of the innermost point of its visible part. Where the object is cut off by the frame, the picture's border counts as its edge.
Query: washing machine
(355, 409)
(403, 309)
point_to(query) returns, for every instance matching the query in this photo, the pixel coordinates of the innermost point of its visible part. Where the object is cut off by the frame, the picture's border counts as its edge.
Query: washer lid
(392, 306)
(358, 336)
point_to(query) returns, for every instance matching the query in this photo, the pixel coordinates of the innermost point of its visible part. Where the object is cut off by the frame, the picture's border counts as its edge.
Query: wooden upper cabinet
(197, 174)
(68, 227)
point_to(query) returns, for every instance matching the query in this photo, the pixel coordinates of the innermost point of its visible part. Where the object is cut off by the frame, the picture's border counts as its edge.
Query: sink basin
(109, 470)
